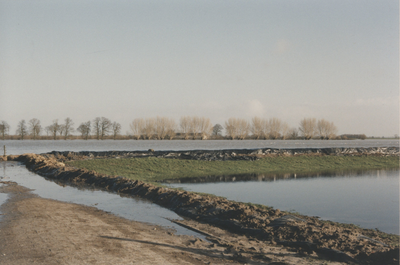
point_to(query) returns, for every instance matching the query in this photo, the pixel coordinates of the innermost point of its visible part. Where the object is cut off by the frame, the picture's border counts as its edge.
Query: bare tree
(137, 128)
(67, 128)
(231, 128)
(326, 129)
(171, 128)
(164, 127)
(217, 129)
(101, 127)
(84, 129)
(237, 128)
(150, 127)
(243, 129)
(194, 126)
(285, 131)
(275, 127)
(257, 127)
(205, 127)
(22, 130)
(61, 130)
(97, 127)
(333, 130)
(4, 129)
(54, 128)
(105, 126)
(293, 133)
(161, 127)
(47, 130)
(308, 127)
(185, 126)
(35, 128)
(266, 129)
(116, 128)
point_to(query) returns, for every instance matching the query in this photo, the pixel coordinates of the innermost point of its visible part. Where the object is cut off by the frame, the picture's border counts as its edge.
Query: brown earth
(266, 227)
(34, 230)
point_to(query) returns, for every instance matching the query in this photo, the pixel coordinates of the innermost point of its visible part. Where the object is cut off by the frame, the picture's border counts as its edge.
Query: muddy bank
(307, 235)
(231, 154)
(42, 231)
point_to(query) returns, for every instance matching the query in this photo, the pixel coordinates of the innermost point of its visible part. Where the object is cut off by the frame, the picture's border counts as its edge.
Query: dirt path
(34, 230)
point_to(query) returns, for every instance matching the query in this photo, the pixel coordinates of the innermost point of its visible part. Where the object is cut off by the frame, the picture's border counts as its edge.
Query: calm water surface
(369, 199)
(16, 147)
(130, 208)
(3, 198)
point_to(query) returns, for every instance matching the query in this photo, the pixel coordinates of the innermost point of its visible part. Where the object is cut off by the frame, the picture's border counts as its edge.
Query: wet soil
(42, 231)
(307, 236)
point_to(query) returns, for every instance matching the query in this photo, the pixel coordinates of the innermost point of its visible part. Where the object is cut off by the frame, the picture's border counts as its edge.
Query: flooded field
(130, 208)
(15, 147)
(369, 199)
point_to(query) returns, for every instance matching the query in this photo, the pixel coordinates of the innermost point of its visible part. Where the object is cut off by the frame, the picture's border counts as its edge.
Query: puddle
(130, 208)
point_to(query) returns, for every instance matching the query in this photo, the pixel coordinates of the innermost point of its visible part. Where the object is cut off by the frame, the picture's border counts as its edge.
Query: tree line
(189, 127)
(99, 128)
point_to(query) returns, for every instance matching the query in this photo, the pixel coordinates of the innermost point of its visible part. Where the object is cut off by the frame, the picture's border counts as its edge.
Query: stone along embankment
(334, 241)
(230, 154)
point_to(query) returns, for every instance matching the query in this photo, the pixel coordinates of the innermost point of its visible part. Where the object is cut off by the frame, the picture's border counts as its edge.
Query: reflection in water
(281, 176)
(367, 198)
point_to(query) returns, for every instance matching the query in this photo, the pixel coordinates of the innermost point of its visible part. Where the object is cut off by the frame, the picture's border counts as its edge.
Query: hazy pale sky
(290, 59)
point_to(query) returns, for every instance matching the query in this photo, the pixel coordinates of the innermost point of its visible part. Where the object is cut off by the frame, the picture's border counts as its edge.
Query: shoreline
(340, 242)
(16, 147)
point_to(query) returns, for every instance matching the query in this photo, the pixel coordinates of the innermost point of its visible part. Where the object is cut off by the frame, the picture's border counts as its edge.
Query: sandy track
(34, 230)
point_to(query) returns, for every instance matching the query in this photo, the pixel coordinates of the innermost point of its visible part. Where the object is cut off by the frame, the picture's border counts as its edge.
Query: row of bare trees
(274, 128)
(189, 127)
(166, 128)
(310, 128)
(63, 130)
(259, 128)
(101, 127)
(196, 126)
(149, 128)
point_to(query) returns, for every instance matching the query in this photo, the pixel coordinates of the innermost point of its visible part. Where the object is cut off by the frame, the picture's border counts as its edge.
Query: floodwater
(127, 207)
(3, 198)
(369, 199)
(16, 147)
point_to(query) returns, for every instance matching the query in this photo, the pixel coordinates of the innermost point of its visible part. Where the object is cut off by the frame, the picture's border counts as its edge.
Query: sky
(289, 59)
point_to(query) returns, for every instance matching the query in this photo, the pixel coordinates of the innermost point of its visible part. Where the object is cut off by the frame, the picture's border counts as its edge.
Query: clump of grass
(151, 169)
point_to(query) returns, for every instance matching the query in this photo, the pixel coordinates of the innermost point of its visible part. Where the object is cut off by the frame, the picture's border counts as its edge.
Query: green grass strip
(153, 169)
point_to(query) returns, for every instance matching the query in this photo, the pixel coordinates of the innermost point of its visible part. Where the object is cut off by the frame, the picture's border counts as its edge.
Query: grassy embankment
(155, 169)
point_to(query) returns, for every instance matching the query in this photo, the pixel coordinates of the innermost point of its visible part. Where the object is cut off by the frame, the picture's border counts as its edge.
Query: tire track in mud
(307, 235)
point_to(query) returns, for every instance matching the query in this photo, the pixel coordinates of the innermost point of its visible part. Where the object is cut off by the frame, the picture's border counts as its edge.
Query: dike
(229, 154)
(337, 242)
